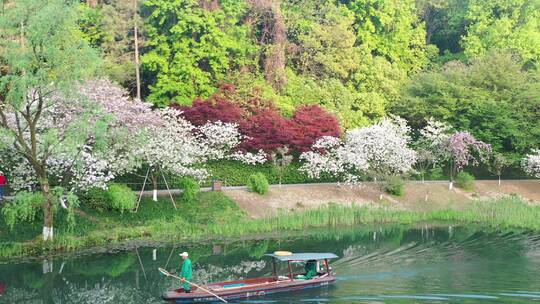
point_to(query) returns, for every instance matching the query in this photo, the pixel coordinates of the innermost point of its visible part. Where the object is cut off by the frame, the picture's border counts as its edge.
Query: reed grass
(215, 216)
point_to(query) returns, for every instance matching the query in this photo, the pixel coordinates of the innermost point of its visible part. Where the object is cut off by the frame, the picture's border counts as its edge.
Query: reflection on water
(376, 265)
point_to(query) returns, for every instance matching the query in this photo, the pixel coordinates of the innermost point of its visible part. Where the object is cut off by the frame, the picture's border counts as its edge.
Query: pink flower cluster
(466, 150)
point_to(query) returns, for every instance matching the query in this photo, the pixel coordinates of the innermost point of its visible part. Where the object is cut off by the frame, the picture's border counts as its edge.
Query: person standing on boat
(186, 273)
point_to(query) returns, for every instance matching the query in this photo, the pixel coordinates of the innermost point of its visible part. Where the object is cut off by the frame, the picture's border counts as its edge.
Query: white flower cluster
(380, 149)
(250, 158)
(531, 163)
(82, 173)
(181, 148)
(434, 138)
(86, 139)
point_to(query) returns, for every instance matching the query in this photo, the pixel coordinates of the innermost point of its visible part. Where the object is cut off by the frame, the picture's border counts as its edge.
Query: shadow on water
(387, 264)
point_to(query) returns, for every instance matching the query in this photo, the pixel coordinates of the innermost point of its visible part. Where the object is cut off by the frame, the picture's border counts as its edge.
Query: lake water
(376, 265)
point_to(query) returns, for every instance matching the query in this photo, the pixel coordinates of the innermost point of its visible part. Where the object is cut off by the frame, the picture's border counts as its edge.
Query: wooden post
(290, 271)
(169, 190)
(216, 185)
(142, 189)
(327, 266)
(274, 268)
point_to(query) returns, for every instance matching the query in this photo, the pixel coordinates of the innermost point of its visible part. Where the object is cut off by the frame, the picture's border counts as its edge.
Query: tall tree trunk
(273, 25)
(452, 170)
(136, 41)
(48, 211)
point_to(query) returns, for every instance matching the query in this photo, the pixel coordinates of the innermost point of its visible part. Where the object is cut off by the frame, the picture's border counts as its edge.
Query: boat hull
(248, 291)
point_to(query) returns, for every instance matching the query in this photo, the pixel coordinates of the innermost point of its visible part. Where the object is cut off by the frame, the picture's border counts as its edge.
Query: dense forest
(470, 63)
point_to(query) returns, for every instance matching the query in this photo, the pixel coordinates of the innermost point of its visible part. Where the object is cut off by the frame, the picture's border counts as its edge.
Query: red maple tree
(216, 107)
(309, 123)
(266, 129)
(260, 121)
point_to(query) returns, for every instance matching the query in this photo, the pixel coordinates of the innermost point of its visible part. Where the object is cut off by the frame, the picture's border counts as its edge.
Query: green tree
(494, 98)
(110, 28)
(392, 29)
(503, 24)
(325, 45)
(445, 22)
(192, 47)
(42, 55)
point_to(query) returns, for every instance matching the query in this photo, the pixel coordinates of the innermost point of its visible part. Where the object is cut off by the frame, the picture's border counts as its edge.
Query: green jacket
(311, 269)
(187, 271)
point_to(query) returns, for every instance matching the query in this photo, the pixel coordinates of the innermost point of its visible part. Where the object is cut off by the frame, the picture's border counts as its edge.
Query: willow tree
(42, 57)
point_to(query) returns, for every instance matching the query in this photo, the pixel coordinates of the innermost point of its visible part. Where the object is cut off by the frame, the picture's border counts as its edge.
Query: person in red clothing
(3, 183)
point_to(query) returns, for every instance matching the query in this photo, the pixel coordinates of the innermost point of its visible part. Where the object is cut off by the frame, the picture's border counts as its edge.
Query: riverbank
(419, 197)
(216, 216)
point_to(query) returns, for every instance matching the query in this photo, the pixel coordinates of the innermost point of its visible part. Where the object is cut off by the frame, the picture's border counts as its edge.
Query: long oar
(165, 272)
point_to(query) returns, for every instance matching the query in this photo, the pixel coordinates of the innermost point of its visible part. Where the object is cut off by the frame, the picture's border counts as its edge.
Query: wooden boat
(261, 286)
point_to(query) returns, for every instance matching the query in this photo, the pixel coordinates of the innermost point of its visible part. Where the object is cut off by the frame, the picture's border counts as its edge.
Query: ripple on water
(461, 265)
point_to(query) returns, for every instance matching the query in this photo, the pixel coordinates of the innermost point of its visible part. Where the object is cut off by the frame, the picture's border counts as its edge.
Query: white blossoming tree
(178, 147)
(43, 57)
(379, 151)
(531, 163)
(386, 146)
(431, 147)
(81, 141)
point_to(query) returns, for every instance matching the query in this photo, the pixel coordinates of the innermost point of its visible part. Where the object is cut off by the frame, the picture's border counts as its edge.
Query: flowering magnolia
(386, 146)
(115, 100)
(333, 156)
(460, 149)
(174, 144)
(434, 140)
(466, 150)
(380, 150)
(431, 147)
(84, 139)
(531, 163)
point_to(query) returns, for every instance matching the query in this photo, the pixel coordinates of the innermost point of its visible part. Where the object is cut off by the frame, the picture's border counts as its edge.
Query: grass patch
(213, 215)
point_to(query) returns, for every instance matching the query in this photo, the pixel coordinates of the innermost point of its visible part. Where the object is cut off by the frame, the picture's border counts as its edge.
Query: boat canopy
(303, 256)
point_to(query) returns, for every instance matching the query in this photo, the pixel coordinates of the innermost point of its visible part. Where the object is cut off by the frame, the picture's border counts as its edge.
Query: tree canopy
(493, 97)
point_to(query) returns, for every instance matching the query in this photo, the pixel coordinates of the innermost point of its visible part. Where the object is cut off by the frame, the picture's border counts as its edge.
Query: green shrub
(437, 173)
(465, 180)
(190, 189)
(395, 186)
(258, 183)
(121, 197)
(117, 197)
(25, 207)
(235, 173)
(96, 198)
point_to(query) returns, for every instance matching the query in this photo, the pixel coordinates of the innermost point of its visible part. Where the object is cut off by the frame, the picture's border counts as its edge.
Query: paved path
(165, 192)
(162, 192)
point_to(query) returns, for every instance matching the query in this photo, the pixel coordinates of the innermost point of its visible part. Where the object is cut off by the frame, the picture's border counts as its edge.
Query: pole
(290, 271)
(136, 46)
(140, 262)
(142, 190)
(169, 190)
(165, 272)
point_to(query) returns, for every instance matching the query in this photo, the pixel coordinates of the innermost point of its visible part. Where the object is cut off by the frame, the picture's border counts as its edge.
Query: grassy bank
(215, 216)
